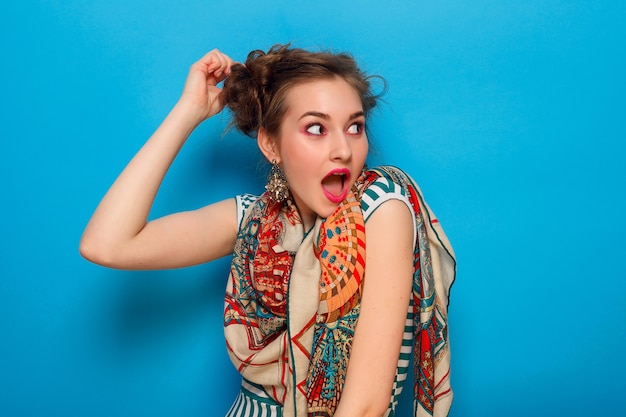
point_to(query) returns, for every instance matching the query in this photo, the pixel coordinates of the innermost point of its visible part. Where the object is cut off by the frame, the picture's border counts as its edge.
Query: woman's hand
(201, 89)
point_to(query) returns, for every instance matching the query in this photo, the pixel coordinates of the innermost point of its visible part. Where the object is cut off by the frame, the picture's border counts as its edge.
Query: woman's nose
(341, 149)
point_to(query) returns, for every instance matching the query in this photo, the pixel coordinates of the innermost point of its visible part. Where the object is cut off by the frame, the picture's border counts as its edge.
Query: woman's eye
(314, 129)
(355, 128)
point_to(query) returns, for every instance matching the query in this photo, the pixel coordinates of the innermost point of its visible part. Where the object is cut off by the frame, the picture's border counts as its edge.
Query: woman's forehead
(326, 96)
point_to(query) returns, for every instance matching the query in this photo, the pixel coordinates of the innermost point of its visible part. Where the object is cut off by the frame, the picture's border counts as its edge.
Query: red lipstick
(335, 184)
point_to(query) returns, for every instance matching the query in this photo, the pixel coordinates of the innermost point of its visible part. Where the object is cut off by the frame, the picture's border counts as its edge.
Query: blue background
(510, 114)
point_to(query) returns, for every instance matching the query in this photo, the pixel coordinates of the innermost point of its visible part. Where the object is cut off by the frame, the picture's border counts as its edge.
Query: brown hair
(255, 91)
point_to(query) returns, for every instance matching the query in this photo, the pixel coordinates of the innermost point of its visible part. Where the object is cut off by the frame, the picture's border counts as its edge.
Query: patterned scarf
(293, 300)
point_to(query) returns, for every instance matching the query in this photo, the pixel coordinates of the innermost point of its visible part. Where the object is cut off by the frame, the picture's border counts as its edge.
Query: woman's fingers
(204, 75)
(217, 65)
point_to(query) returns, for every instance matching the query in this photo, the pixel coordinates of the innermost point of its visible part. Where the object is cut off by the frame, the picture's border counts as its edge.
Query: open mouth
(335, 185)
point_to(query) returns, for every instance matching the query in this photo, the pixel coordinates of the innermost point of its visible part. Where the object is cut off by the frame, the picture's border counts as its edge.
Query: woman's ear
(267, 145)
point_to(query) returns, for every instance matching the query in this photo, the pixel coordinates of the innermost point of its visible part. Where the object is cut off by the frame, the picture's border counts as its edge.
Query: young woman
(339, 272)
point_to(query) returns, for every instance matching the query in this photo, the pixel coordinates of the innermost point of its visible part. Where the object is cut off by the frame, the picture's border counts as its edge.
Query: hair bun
(256, 92)
(241, 95)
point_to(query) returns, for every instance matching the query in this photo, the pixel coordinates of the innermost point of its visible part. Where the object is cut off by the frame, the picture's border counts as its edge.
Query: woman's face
(322, 145)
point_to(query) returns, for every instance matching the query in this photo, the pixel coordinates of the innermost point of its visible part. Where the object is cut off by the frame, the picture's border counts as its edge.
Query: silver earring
(277, 186)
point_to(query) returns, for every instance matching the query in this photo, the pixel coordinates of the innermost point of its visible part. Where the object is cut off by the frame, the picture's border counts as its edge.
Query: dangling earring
(277, 186)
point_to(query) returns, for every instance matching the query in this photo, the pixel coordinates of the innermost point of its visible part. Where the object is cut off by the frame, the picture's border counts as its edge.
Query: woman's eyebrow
(315, 114)
(326, 116)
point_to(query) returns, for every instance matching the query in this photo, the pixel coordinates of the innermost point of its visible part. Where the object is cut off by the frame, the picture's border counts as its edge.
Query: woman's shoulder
(244, 201)
(390, 184)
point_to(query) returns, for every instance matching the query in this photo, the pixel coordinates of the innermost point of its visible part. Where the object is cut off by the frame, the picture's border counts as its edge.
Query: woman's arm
(118, 234)
(386, 296)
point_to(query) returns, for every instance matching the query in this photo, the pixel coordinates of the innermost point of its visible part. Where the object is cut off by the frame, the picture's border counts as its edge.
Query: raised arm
(386, 295)
(119, 235)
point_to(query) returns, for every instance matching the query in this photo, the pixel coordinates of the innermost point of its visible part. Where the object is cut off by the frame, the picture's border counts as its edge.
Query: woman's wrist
(189, 112)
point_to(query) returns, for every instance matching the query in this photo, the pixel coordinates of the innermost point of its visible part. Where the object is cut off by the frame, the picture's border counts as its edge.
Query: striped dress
(252, 400)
